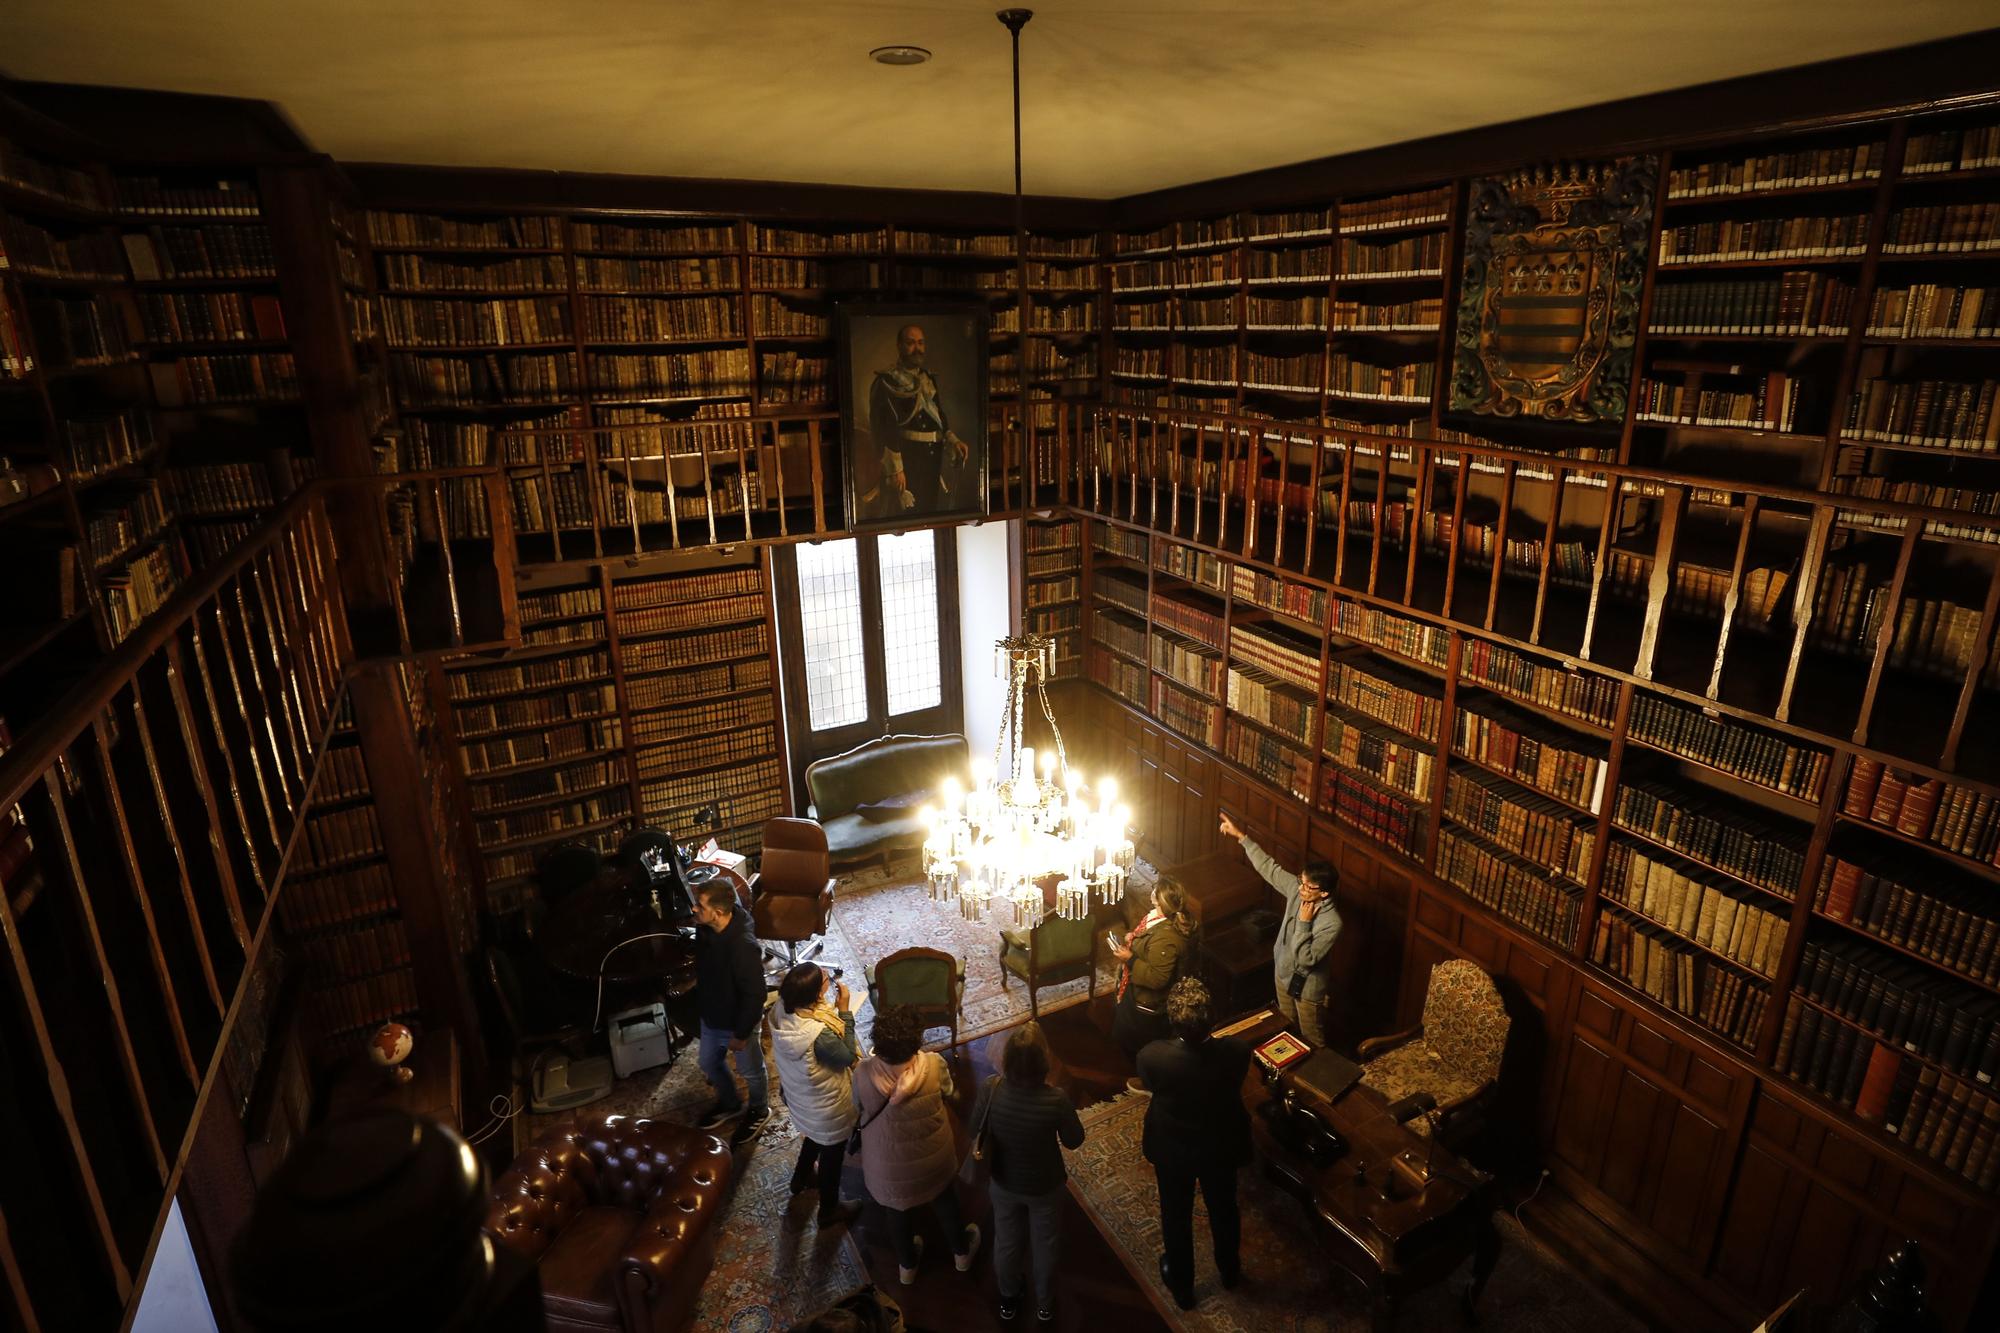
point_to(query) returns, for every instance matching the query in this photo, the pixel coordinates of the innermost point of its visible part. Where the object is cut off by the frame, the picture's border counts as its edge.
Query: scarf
(1125, 972)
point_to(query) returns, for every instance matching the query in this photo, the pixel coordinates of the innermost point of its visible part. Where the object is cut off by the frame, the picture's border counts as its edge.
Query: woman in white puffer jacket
(815, 1049)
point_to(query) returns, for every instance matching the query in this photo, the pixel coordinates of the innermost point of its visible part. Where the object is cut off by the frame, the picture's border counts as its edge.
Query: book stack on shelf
(1062, 351)
(220, 367)
(700, 695)
(1921, 425)
(520, 809)
(1360, 684)
(1052, 562)
(1185, 633)
(1761, 249)
(1273, 691)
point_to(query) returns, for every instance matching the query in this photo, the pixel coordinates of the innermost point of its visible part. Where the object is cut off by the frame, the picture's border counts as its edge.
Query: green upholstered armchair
(930, 981)
(1058, 950)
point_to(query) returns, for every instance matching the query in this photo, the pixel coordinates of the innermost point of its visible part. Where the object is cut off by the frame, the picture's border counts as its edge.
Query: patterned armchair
(1057, 950)
(1454, 1054)
(930, 981)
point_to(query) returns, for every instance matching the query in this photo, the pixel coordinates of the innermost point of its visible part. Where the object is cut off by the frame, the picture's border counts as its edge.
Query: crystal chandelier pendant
(1026, 837)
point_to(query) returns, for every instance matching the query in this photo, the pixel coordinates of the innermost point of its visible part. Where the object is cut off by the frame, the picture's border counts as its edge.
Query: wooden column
(395, 775)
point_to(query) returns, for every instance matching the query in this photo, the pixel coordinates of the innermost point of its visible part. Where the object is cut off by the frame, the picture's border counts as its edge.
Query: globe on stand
(389, 1046)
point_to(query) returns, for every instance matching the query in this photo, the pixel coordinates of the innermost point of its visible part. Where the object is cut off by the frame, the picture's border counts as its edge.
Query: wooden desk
(1392, 1237)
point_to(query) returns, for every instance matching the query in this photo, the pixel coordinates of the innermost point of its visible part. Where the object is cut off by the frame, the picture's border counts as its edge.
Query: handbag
(975, 1165)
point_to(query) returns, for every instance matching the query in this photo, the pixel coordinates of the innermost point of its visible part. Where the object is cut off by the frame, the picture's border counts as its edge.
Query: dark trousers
(1132, 1027)
(903, 1224)
(826, 1157)
(1218, 1189)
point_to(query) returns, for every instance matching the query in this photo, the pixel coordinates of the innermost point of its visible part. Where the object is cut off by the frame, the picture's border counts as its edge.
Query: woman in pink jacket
(908, 1157)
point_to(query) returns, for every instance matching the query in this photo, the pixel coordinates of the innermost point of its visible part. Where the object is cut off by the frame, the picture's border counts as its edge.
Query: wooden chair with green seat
(930, 981)
(1056, 951)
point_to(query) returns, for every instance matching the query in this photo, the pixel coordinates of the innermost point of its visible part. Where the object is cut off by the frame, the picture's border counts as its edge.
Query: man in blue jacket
(729, 991)
(1303, 951)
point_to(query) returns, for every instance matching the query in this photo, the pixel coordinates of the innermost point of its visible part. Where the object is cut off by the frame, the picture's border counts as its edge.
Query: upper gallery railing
(1731, 594)
(159, 803)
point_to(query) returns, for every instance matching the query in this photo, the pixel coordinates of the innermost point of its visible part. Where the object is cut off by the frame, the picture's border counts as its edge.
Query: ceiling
(1119, 96)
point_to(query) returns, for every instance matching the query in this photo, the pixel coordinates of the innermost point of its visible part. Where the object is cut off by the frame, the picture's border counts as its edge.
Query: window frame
(946, 717)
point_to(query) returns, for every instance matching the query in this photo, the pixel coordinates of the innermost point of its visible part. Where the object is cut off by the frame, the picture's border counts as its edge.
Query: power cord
(597, 1012)
(1522, 1227)
(501, 1110)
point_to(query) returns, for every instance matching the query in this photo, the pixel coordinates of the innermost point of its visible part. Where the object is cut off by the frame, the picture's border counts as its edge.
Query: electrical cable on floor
(1532, 1195)
(501, 1110)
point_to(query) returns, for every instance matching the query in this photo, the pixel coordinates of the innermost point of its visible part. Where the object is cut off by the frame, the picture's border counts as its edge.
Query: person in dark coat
(729, 991)
(1197, 1132)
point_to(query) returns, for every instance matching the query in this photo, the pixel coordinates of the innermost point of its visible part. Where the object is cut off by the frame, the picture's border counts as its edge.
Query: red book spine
(1877, 1082)
(1920, 805)
(1888, 799)
(1861, 786)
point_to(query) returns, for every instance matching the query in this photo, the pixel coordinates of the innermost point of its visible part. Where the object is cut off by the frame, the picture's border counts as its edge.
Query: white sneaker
(964, 1261)
(909, 1275)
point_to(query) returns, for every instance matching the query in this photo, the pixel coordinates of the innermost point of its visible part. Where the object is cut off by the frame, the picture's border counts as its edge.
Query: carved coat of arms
(1554, 262)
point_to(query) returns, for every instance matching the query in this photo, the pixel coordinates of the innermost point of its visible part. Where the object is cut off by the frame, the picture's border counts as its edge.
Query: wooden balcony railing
(162, 801)
(1730, 594)
(568, 493)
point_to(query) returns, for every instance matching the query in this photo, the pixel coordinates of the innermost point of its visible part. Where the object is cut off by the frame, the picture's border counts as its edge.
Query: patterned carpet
(1289, 1286)
(772, 1266)
(877, 912)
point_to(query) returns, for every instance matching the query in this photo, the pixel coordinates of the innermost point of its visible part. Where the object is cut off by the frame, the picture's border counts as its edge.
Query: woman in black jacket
(1158, 952)
(1027, 1124)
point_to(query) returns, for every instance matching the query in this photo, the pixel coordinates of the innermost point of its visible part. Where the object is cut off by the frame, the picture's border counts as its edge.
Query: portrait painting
(913, 411)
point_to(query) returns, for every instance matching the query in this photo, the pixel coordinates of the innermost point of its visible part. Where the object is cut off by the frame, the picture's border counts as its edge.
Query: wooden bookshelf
(656, 698)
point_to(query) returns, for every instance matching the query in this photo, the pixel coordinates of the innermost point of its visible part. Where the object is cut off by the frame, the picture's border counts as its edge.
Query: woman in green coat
(1158, 952)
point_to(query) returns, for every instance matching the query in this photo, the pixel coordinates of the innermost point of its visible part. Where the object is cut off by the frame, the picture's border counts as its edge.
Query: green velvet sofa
(868, 798)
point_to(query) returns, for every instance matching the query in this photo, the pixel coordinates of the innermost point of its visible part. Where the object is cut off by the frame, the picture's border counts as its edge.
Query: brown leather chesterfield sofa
(619, 1218)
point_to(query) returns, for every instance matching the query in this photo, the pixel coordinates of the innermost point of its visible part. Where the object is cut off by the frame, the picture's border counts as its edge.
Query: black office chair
(532, 1019)
(567, 867)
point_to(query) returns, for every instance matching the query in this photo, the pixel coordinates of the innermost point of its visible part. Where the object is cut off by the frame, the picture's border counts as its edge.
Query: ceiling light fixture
(899, 55)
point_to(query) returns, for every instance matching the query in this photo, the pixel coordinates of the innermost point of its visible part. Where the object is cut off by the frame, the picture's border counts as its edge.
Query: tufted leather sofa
(867, 799)
(619, 1218)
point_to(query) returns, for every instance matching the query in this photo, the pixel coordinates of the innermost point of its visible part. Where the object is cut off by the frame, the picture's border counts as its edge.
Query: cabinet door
(1590, 1074)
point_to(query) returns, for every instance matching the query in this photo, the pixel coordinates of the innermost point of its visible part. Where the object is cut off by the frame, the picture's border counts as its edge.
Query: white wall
(985, 613)
(173, 1299)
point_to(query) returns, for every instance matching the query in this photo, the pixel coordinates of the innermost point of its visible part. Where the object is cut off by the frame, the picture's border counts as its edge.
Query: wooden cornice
(386, 185)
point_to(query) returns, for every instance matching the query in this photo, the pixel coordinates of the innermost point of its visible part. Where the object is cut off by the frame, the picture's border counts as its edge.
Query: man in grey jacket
(1304, 948)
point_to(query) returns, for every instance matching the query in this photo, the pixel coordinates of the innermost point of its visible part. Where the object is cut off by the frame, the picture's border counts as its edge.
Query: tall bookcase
(220, 371)
(640, 697)
(61, 431)
(1052, 563)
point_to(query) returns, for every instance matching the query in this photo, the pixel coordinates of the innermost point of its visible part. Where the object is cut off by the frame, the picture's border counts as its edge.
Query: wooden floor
(1093, 1288)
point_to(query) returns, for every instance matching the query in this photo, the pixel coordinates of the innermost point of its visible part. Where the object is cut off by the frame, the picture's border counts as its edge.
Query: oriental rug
(772, 1265)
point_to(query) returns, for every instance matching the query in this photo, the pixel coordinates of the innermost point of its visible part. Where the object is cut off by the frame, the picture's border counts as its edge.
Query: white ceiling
(1119, 96)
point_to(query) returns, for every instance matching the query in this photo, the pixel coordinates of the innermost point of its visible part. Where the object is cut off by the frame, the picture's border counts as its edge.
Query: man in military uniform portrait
(913, 378)
(922, 460)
